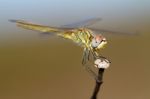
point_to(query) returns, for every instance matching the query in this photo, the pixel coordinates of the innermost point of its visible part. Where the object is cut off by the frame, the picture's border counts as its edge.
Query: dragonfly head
(98, 42)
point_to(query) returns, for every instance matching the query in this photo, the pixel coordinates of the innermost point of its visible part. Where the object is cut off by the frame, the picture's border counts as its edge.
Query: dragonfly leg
(94, 54)
(91, 72)
(104, 59)
(87, 54)
(84, 57)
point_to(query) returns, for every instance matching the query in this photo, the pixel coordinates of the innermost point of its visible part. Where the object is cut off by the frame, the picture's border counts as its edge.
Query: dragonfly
(78, 32)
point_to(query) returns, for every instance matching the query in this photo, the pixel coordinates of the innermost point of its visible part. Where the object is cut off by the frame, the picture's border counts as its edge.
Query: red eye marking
(98, 37)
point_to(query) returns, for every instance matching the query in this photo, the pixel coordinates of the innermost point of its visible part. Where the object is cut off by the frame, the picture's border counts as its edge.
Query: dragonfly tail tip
(12, 20)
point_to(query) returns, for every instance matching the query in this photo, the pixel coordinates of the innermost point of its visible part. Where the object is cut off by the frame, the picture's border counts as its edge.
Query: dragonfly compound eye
(95, 43)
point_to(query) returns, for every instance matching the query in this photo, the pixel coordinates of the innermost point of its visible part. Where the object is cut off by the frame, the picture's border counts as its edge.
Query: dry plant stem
(98, 83)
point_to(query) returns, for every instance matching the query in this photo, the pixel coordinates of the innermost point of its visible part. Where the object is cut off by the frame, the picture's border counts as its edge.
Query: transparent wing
(83, 23)
(36, 27)
(104, 31)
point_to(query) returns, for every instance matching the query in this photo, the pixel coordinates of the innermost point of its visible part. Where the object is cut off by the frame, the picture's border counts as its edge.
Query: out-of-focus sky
(124, 15)
(35, 68)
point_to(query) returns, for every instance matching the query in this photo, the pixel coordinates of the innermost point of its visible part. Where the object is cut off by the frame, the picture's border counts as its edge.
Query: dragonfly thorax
(80, 36)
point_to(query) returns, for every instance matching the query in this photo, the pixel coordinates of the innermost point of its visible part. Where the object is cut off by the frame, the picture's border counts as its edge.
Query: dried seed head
(102, 63)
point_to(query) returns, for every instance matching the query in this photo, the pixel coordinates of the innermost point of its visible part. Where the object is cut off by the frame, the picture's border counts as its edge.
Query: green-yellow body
(81, 36)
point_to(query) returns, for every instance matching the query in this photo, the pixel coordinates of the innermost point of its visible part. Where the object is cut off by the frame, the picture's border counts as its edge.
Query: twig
(98, 83)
